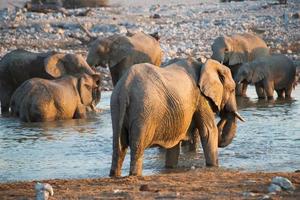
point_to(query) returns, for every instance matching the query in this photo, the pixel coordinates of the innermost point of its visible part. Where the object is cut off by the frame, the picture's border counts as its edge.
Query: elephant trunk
(218, 56)
(227, 129)
(227, 126)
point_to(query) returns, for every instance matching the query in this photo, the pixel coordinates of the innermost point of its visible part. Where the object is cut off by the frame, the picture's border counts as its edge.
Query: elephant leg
(280, 93)
(136, 161)
(269, 88)
(260, 92)
(288, 92)
(5, 96)
(80, 112)
(244, 89)
(209, 141)
(117, 161)
(172, 155)
(239, 90)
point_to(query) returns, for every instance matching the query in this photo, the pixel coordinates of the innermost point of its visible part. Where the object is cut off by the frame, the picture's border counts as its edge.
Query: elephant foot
(212, 165)
(114, 173)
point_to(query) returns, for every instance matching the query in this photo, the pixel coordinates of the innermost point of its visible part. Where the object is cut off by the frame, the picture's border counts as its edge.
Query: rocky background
(186, 28)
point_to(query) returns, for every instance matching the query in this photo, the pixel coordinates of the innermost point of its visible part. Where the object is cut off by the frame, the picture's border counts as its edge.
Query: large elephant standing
(119, 53)
(234, 50)
(40, 100)
(159, 106)
(275, 72)
(20, 65)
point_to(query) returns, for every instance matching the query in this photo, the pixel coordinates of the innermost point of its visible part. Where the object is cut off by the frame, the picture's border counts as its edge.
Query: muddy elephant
(40, 100)
(153, 106)
(234, 50)
(20, 65)
(274, 72)
(121, 52)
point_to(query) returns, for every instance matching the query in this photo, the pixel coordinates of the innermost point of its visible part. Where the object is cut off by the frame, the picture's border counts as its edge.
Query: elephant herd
(150, 105)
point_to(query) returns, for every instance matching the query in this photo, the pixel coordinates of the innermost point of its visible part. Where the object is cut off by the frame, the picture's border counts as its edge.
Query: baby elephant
(39, 100)
(275, 72)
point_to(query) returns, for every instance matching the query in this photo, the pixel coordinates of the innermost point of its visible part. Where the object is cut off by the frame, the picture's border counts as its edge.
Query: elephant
(41, 100)
(274, 72)
(237, 49)
(121, 52)
(152, 106)
(20, 65)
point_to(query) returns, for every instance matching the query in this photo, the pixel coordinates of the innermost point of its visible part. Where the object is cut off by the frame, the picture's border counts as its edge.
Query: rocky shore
(192, 184)
(186, 29)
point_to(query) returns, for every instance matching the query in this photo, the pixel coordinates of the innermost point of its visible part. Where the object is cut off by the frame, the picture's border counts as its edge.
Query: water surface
(268, 141)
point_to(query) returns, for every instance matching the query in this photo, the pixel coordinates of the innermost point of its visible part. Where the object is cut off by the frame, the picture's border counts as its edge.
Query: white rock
(284, 183)
(289, 51)
(249, 194)
(274, 188)
(43, 191)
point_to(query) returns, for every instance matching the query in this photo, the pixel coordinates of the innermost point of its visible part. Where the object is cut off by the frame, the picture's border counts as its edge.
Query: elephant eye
(88, 87)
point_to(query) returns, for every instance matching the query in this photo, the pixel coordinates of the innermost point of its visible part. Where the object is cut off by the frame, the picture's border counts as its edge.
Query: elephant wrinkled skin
(39, 100)
(20, 65)
(119, 53)
(153, 106)
(237, 49)
(275, 72)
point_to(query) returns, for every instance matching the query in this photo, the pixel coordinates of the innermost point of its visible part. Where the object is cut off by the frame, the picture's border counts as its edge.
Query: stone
(289, 51)
(274, 188)
(43, 191)
(284, 183)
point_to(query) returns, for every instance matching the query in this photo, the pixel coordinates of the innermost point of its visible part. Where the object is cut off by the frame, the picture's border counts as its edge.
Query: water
(268, 141)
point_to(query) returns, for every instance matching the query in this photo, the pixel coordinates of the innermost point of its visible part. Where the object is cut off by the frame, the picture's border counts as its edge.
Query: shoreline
(203, 183)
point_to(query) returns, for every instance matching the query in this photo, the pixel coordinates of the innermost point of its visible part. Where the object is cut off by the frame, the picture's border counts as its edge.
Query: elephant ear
(120, 49)
(259, 74)
(237, 57)
(85, 89)
(215, 78)
(54, 65)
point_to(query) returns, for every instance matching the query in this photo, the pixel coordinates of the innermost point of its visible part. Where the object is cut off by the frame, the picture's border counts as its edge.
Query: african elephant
(40, 100)
(152, 106)
(20, 65)
(268, 73)
(121, 52)
(237, 49)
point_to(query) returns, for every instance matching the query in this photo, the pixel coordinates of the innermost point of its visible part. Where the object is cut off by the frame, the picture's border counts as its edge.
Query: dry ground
(193, 184)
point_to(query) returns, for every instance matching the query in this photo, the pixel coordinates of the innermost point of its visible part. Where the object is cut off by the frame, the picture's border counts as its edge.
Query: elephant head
(216, 83)
(251, 73)
(108, 52)
(226, 50)
(87, 88)
(59, 64)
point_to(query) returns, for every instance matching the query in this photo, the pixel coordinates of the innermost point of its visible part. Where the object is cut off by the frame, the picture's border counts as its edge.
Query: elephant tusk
(239, 116)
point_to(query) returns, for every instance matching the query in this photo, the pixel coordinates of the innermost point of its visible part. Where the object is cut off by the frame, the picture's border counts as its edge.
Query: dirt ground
(192, 184)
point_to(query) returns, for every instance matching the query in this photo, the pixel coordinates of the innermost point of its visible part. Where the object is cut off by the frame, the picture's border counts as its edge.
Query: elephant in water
(121, 52)
(20, 65)
(234, 50)
(275, 72)
(152, 106)
(40, 100)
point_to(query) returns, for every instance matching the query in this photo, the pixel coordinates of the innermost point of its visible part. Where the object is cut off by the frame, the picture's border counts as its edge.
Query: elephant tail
(119, 102)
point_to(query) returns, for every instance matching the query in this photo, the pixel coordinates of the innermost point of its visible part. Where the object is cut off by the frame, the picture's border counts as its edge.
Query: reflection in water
(269, 140)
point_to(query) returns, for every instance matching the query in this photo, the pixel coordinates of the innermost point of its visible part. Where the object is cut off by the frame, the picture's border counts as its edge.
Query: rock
(43, 191)
(266, 197)
(284, 183)
(155, 16)
(289, 51)
(249, 194)
(144, 188)
(274, 188)
(296, 15)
